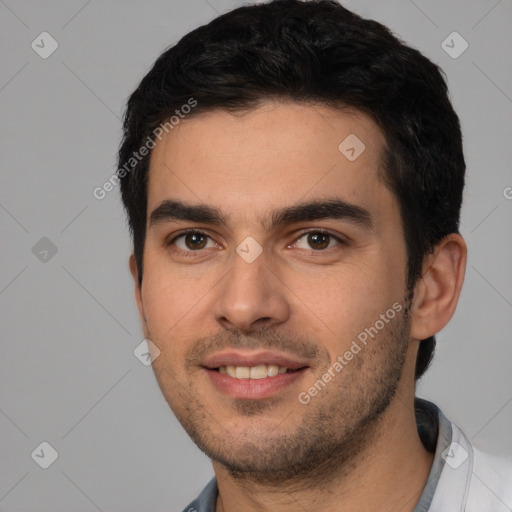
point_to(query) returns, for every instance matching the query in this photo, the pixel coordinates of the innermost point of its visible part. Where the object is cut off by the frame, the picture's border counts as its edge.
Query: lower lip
(253, 389)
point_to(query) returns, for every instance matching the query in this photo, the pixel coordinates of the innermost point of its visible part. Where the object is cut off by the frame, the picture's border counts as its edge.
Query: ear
(138, 295)
(436, 294)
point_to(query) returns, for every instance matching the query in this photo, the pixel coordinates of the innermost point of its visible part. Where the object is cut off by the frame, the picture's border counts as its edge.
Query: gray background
(69, 324)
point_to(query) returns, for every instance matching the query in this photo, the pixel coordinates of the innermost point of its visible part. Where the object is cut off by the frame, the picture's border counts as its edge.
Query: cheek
(344, 301)
(172, 302)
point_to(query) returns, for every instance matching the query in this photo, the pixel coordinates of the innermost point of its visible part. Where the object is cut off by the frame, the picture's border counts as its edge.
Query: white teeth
(243, 372)
(258, 372)
(253, 372)
(273, 370)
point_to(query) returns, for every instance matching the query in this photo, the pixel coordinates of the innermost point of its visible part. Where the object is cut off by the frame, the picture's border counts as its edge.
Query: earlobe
(436, 294)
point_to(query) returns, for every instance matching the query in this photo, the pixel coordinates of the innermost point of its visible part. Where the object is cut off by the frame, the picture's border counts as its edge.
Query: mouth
(253, 376)
(261, 371)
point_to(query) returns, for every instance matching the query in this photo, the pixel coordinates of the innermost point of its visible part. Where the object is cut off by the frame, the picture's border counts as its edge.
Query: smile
(260, 371)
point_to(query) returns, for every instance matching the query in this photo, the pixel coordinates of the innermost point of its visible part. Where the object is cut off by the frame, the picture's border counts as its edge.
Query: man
(293, 179)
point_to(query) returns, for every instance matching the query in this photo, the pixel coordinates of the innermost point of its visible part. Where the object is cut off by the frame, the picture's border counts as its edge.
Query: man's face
(255, 280)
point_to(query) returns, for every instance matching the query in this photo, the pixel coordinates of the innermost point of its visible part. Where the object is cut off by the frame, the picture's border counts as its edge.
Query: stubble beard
(332, 434)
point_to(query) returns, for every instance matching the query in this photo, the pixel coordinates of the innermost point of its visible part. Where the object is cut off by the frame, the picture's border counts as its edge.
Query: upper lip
(252, 358)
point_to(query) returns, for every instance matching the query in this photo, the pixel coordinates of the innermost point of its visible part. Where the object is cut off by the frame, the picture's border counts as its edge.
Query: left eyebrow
(170, 210)
(323, 210)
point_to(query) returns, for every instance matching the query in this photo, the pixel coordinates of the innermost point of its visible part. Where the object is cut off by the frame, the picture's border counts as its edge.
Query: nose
(250, 297)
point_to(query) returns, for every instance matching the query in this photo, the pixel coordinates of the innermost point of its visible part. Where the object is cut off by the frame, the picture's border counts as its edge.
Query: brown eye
(318, 241)
(195, 241)
(192, 241)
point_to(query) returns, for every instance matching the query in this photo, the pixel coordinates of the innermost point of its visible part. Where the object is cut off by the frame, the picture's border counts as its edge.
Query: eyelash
(190, 253)
(340, 241)
(187, 254)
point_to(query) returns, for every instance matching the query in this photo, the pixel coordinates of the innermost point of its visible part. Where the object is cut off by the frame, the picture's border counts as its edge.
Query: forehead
(276, 155)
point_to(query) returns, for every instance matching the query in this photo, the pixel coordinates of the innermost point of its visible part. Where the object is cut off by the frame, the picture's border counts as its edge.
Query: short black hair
(318, 53)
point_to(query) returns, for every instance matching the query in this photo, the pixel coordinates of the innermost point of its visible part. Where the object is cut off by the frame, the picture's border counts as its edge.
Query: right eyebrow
(169, 210)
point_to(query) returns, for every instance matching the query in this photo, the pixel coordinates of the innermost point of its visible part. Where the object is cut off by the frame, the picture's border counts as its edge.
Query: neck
(392, 467)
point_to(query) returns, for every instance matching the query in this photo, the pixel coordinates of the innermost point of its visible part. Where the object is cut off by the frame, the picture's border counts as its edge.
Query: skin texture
(355, 443)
